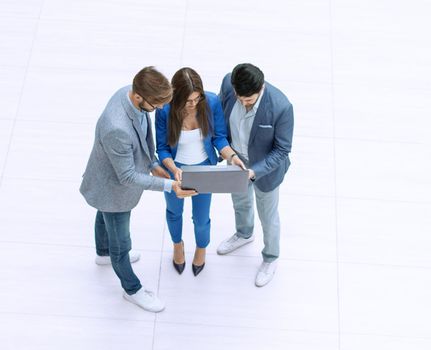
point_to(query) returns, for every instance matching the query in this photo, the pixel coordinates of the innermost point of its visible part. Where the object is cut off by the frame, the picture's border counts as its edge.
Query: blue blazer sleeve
(218, 138)
(163, 149)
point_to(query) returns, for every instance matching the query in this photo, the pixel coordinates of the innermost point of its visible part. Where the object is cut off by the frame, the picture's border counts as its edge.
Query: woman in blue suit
(189, 130)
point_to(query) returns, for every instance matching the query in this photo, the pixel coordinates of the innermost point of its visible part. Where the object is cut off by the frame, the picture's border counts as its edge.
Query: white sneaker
(146, 300)
(232, 243)
(265, 273)
(106, 260)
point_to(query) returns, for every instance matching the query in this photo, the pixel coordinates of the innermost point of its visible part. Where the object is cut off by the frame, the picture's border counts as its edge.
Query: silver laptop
(214, 178)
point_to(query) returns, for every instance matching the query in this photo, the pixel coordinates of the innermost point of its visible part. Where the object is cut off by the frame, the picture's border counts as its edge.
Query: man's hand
(251, 175)
(160, 172)
(176, 187)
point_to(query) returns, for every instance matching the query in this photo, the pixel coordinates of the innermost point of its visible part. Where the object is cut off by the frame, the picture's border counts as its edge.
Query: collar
(140, 112)
(256, 105)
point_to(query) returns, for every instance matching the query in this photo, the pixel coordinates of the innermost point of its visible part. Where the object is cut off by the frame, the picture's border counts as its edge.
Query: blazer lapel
(150, 140)
(142, 140)
(137, 126)
(258, 117)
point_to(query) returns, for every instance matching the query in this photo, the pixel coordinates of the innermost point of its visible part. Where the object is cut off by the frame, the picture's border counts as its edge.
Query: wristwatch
(231, 156)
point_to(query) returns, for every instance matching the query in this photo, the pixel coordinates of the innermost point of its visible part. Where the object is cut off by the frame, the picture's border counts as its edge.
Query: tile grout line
(295, 194)
(24, 80)
(298, 260)
(184, 33)
(331, 60)
(158, 282)
(303, 135)
(39, 314)
(312, 331)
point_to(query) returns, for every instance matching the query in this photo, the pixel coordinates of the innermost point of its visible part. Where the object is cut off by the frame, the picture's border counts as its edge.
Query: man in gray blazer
(260, 127)
(118, 171)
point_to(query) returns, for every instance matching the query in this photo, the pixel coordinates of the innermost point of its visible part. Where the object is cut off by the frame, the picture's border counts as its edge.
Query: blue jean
(201, 204)
(112, 236)
(267, 208)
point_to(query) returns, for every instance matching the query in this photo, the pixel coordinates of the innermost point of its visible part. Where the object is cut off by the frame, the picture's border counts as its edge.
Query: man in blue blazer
(260, 126)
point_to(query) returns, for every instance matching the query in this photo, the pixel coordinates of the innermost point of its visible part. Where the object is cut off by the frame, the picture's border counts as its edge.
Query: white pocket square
(265, 126)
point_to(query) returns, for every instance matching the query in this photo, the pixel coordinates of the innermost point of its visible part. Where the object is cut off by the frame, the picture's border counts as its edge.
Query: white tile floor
(355, 270)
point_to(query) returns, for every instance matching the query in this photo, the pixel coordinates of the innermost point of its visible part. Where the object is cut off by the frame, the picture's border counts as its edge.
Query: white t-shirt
(191, 149)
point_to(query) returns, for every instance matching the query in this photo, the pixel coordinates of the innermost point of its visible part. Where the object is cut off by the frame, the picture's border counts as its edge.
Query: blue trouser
(201, 204)
(113, 238)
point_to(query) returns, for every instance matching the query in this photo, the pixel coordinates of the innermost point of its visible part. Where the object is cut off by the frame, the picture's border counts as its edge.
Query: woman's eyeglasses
(195, 101)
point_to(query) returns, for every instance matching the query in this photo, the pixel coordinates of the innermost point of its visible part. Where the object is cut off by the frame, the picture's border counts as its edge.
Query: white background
(355, 265)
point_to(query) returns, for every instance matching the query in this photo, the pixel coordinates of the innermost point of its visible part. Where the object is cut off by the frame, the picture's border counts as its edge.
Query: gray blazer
(121, 159)
(270, 137)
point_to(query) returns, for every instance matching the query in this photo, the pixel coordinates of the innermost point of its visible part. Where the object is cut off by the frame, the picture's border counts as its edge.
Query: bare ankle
(199, 257)
(179, 252)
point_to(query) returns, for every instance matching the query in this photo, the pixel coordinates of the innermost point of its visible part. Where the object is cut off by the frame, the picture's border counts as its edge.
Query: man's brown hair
(152, 85)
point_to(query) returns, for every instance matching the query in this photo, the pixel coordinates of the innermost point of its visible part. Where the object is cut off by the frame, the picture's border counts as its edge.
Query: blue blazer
(270, 137)
(216, 140)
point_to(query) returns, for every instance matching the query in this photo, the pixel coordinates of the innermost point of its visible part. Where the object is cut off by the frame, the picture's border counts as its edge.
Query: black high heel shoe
(180, 267)
(197, 269)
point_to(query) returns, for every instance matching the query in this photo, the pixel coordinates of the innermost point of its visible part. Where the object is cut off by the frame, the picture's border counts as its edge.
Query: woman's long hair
(185, 82)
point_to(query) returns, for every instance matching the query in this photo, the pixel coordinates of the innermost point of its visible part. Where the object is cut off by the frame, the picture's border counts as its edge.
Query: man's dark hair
(247, 79)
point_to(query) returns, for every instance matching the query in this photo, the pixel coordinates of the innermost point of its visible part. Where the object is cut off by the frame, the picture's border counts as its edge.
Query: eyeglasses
(195, 100)
(151, 105)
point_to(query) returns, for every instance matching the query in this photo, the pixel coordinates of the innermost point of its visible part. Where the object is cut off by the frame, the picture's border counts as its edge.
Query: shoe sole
(130, 300)
(232, 250)
(262, 285)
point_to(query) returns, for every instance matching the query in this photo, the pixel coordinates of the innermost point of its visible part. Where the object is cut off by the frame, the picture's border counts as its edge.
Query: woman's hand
(236, 161)
(178, 174)
(160, 172)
